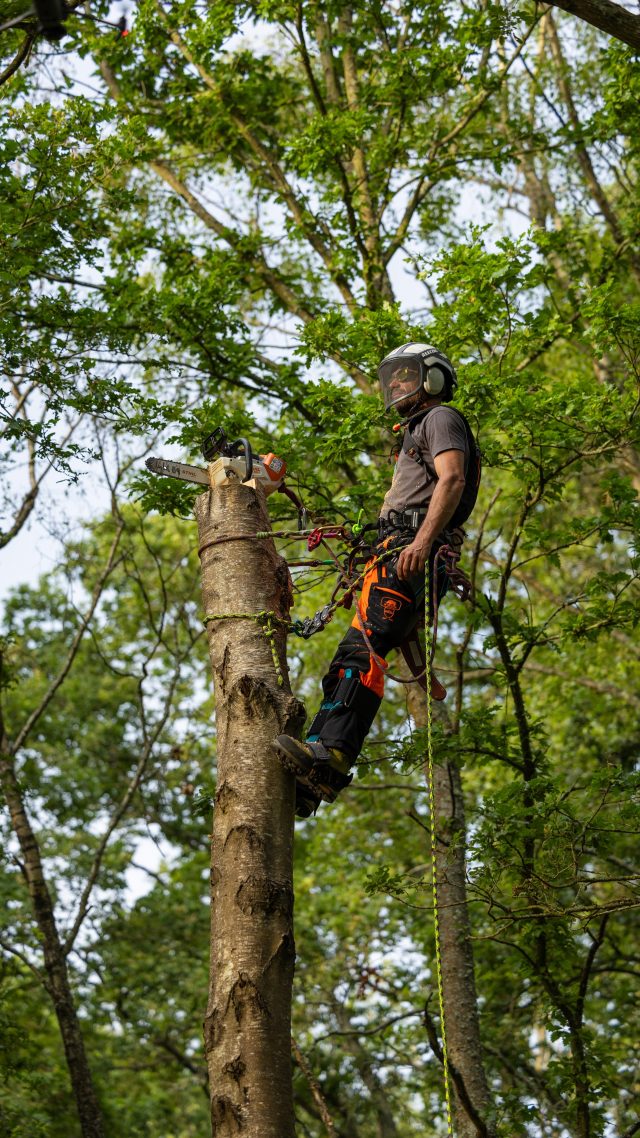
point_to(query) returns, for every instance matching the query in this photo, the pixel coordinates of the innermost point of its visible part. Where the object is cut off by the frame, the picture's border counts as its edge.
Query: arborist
(433, 492)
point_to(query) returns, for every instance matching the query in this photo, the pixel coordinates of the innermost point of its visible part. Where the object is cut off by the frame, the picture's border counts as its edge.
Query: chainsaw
(226, 459)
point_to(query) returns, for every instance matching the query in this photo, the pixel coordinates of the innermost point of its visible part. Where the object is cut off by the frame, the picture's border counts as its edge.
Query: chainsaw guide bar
(180, 470)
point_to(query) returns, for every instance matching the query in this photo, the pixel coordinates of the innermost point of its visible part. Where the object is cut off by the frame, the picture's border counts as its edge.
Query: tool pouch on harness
(469, 497)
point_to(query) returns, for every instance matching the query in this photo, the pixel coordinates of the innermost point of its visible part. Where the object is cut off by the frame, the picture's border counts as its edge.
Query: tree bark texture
(56, 976)
(458, 978)
(248, 1022)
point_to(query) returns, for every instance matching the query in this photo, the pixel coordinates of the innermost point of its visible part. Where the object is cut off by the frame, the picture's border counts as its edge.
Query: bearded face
(402, 386)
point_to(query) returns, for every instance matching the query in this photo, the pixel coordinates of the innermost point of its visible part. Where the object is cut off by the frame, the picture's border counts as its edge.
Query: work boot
(307, 799)
(324, 770)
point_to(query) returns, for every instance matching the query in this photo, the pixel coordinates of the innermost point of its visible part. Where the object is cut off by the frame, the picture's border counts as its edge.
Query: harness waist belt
(403, 519)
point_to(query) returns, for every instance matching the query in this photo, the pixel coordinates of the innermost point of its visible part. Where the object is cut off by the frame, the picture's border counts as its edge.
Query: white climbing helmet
(413, 368)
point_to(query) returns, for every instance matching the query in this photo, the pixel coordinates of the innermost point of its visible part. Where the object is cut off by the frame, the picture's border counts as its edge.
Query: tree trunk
(248, 1022)
(458, 978)
(55, 963)
(460, 999)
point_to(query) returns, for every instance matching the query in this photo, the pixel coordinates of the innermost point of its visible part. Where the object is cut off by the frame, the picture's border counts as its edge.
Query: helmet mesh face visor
(400, 378)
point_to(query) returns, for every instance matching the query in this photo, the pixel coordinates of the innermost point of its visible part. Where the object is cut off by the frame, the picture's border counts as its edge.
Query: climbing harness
(411, 649)
(430, 648)
(348, 582)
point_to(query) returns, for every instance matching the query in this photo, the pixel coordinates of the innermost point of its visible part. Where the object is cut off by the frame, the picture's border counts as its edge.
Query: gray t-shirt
(413, 485)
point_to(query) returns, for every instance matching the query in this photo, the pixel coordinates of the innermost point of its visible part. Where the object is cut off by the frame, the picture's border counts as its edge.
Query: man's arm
(449, 467)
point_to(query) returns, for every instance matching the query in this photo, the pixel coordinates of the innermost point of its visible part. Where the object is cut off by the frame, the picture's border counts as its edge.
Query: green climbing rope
(432, 828)
(267, 620)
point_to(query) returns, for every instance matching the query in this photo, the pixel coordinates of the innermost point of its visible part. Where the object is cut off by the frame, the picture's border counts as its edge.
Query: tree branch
(347, 192)
(23, 53)
(201, 1073)
(584, 158)
(310, 225)
(24, 960)
(315, 1088)
(611, 18)
(116, 817)
(423, 186)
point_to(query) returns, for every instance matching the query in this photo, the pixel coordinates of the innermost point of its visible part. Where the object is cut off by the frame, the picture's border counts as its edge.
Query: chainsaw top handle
(241, 446)
(217, 443)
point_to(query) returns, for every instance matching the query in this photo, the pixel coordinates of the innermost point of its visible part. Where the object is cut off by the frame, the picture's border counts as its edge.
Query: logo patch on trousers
(390, 607)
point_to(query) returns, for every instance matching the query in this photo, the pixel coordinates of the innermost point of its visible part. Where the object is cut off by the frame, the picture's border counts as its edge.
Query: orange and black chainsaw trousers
(387, 612)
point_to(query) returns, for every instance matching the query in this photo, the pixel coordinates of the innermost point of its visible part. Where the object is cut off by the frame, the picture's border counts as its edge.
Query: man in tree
(433, 491)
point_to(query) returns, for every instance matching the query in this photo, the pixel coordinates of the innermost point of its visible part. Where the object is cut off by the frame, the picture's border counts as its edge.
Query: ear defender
(435, 381)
